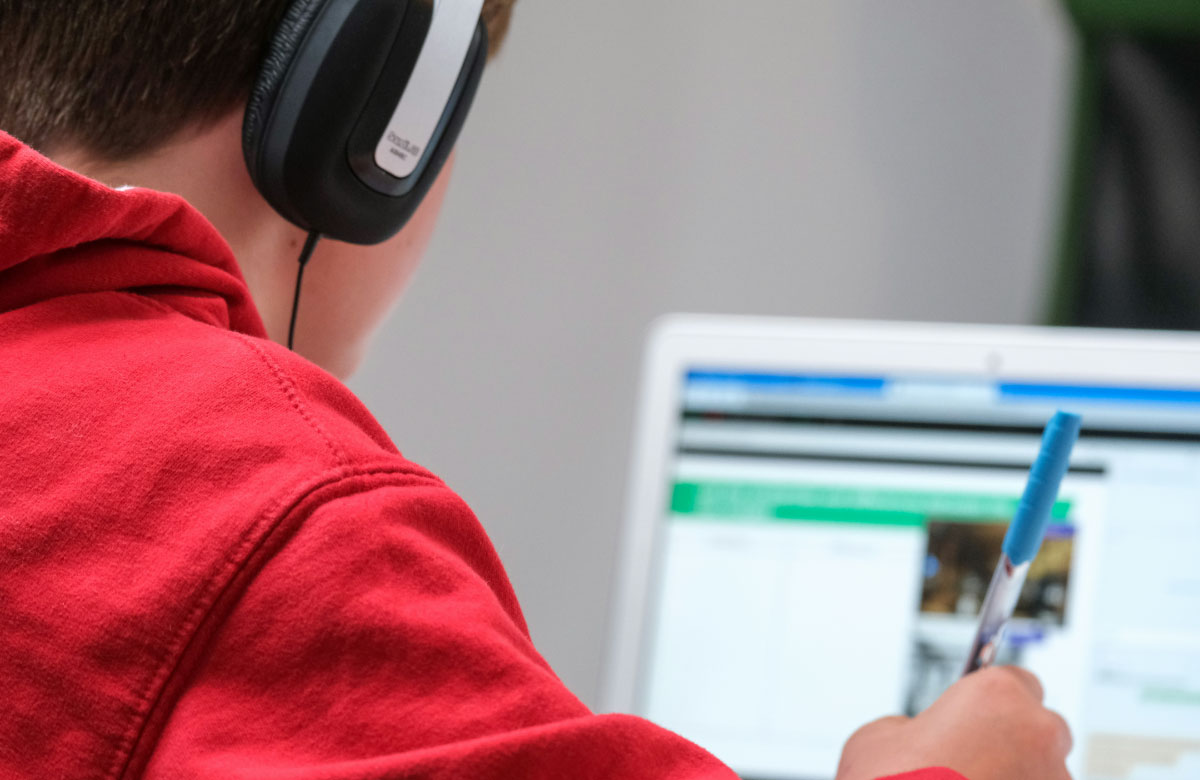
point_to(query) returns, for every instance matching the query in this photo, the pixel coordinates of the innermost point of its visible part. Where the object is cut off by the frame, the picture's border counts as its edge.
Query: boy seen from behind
(213, 561)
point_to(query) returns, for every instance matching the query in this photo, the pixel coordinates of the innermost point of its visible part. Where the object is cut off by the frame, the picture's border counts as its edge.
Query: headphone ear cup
(282, 52)
(333, 79)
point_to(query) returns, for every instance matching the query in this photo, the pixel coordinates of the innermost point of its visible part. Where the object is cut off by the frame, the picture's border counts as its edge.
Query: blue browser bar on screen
(878, 386)
(785, 383)
(1021, 391)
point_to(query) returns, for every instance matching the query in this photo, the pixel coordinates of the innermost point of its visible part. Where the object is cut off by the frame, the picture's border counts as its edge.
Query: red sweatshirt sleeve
(383, 641)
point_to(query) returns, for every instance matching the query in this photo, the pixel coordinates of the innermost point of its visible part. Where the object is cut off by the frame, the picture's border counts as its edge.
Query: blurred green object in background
(1129, 247)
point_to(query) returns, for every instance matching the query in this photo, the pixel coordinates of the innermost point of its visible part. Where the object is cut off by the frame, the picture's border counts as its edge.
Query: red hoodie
(214, 562)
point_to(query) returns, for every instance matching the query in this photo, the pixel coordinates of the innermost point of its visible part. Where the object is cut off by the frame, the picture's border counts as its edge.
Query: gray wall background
(850, 158)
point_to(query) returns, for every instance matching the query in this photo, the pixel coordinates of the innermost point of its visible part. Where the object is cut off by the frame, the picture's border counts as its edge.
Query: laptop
(816, 509)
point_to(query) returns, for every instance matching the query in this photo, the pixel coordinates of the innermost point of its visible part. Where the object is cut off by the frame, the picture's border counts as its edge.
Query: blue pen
(1024, 537)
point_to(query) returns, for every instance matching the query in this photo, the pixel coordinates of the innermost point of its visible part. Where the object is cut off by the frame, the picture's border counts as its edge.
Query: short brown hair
(117, 78)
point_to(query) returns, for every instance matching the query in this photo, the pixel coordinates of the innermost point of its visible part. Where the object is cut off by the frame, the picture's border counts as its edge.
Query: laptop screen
(828, 541)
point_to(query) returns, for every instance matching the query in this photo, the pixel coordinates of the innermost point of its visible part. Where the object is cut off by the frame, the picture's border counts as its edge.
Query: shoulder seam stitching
(292, 393)
(235, 563)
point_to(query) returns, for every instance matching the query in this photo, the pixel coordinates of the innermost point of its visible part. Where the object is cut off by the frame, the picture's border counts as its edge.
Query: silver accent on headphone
(410, 131)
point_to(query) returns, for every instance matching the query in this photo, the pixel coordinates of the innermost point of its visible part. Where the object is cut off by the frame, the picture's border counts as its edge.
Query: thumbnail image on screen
(960, 557)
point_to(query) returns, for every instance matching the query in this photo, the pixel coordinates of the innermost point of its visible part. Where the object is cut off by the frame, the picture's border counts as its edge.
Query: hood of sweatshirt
(58, 230)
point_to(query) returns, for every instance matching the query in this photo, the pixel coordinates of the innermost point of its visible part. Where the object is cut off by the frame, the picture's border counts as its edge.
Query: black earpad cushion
(288, 37)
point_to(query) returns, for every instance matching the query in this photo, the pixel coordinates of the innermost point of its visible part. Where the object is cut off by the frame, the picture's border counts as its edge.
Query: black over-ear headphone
(356, 108)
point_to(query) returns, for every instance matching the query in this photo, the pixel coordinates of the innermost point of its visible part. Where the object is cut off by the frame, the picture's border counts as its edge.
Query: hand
(990, 725)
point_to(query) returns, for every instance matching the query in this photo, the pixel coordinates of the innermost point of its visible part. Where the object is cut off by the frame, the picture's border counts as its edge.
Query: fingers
(876, 730)
(890, 721)
(1063, 741)
(877, 727)
(1053, 733)
(874, 741)
(1026, 679)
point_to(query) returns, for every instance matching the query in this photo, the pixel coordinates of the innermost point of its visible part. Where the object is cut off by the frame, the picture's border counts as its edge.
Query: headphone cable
(305, 254)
